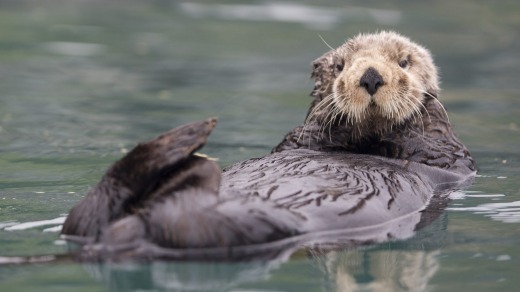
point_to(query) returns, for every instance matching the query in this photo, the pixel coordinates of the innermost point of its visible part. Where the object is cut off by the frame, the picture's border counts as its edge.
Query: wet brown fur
(162, 194)
(402, 119)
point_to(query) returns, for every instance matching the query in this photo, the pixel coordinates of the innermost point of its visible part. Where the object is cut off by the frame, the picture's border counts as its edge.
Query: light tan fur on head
(406, 73)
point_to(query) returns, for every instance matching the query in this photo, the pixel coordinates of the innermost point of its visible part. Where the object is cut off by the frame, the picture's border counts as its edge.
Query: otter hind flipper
(137, 176)
(164, 151)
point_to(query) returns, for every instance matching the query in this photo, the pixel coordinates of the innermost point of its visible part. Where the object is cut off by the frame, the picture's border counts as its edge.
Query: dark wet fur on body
(334, 172)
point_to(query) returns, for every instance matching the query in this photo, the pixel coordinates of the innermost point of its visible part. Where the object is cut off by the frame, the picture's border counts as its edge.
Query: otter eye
(403, 63)
(339, 67)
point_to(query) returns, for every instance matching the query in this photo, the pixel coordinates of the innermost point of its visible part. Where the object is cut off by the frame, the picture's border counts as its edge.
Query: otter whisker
(416, 106)
(437, 101)
(426, 111)
(360, 114)
(330, 120)
(302, 132)
(333, 118)
(391, 109)
(442, 107)
(416, 112)
(325, 42)
(341, 117)
(429, 94)
(323, 121)
(324, 104)
(325, 101)
(421, 115)
(408, 103)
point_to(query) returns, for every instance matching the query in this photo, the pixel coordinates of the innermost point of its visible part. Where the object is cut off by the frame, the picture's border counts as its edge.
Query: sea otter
(376, 146)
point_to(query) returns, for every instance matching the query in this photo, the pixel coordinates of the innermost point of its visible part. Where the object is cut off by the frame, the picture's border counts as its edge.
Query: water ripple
(316, 17)
(508, 212)
(28, 225)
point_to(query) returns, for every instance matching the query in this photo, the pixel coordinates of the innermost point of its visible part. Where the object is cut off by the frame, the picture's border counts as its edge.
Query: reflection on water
(379, 271)
(82, 81)
(385, 267)
(354, 270)
(179, 276)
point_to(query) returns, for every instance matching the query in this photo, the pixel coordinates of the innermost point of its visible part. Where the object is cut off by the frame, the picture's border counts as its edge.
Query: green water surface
(82, 81)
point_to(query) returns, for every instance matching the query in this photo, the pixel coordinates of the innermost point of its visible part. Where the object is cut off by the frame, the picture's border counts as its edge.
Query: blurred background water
(82, 81)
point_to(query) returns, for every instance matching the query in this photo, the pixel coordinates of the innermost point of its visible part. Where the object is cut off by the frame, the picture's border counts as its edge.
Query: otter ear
(322, 74)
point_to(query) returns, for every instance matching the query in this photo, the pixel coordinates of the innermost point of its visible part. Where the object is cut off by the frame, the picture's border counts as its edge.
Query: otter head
(373, 82)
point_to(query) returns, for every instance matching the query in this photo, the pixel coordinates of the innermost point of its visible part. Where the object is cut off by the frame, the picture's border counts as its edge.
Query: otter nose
(371, 80)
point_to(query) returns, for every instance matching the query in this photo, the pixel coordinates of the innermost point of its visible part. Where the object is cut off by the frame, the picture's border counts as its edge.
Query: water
(82, 81)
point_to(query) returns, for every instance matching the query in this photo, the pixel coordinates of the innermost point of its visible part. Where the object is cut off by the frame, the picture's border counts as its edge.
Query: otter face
(378, 79)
